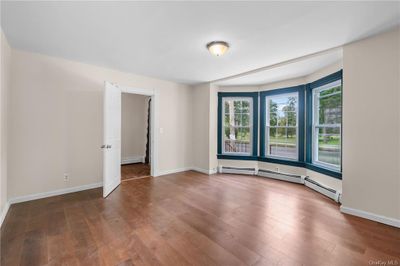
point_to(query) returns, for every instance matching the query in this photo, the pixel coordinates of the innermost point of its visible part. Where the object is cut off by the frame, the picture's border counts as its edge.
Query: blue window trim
(309, 104)
(301, 91)
(325, 80)
(254, 96)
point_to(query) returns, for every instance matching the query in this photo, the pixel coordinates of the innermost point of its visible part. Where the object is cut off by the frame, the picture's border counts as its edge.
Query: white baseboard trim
(204, 171)
(173, 171)
(371, 216)
(4, 213)
(54, 193)
(133, 159)
(183, 169)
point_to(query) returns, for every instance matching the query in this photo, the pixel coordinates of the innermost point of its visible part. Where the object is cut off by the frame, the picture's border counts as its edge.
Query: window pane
(291, 118)
(237, 140)
(237, 122)
(273, 141)
(273, 116)
(329, 145)
(282, 131)
(327, 110)
(245, 120)
(226, 132)
(291, 104)
(282, 142)
(291, 143)
(237, 106)
(245, 107)
(330, 106)
(238, 118)
(282, 119)
(227, 106)
(273, 119)
(244, 134)
(227, 120)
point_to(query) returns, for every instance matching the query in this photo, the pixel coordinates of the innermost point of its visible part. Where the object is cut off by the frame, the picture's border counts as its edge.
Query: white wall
(371, 125)
(56, 122)
(213, 129)
(5, 57)
(133, 126)
(200, 125)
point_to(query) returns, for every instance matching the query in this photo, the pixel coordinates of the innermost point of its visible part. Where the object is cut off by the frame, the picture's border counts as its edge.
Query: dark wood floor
(134, 171)
(191, 218)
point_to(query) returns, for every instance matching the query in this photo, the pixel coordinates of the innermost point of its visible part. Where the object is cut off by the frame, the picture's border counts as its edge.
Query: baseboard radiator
(299, 179)
(329, 192)
(237, 170)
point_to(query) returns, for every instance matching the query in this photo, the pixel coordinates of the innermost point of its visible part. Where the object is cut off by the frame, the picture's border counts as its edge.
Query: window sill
(237, 157)
(309, 166)
(281, 161)
(323, 170)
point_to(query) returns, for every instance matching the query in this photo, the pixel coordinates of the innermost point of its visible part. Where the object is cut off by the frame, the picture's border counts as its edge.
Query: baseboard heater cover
(282, 176)
(237, 170)
(329, 192)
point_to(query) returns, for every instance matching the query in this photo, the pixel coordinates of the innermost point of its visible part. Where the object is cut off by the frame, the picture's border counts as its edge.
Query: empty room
(200, 133)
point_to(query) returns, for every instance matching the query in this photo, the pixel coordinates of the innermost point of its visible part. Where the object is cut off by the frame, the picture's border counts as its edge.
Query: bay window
(299, 126)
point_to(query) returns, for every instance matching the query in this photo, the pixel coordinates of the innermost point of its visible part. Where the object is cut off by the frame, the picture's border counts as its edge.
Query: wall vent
(237, 170)
(282, 176)
(329, 192)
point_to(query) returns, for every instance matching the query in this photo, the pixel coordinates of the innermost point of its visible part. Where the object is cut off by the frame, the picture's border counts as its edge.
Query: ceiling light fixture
(217, 48)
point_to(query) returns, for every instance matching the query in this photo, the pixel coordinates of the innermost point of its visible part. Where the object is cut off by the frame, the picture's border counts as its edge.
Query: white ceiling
(167, 39)
(286, 71)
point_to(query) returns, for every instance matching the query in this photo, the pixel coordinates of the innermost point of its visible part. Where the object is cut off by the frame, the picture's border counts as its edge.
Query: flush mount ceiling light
(217, 48)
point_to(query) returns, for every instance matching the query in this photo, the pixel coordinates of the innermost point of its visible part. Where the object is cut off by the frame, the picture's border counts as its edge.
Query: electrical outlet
(66, 177)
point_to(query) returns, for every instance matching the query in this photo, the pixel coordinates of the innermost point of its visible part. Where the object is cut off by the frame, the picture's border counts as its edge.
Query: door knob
(102, 146)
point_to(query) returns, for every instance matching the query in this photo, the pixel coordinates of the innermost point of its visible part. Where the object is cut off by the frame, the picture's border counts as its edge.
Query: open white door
(112, 139)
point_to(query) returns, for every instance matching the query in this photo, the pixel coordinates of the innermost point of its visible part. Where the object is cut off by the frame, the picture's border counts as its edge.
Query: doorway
(135, 136)
(112, 133)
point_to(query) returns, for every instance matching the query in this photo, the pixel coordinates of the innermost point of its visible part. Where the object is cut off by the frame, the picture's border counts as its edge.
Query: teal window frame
(309, 126)
(254, 153)
(300, 90)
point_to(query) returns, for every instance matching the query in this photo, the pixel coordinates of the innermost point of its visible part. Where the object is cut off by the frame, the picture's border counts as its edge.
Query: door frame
(154, 120)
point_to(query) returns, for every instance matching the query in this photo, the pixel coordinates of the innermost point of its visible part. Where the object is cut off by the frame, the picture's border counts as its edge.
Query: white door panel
(112, 138)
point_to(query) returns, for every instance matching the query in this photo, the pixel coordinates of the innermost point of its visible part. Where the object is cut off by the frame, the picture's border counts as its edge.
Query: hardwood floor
(191, 218)
(134, 171)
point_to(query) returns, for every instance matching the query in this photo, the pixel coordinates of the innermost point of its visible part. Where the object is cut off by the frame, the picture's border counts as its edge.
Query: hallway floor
(134, 171)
